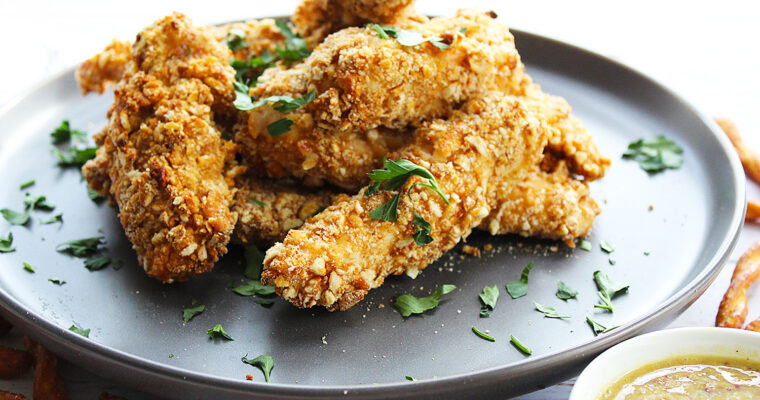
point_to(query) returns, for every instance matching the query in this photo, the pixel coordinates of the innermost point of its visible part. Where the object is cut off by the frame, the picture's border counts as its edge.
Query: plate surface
(138, 336)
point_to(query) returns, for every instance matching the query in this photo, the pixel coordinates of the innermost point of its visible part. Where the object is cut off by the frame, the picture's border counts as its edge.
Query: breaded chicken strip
(364, 82)
(341, 253)
(104, 68)
(315, 19)
(268, 209)
(165, 158)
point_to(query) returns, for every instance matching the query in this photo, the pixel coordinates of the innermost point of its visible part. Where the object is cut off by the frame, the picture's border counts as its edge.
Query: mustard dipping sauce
(689, 377)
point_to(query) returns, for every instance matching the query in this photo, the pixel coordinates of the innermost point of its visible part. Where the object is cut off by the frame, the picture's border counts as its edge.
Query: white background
(709, 52)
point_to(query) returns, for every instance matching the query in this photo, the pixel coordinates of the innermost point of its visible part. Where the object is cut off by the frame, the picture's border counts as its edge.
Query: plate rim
(146, 370)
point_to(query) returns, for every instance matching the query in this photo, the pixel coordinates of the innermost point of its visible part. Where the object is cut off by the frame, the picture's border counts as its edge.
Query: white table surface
(705, 51)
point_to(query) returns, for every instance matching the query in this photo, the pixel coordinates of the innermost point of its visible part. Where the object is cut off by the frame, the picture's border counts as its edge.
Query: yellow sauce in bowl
(690, 377)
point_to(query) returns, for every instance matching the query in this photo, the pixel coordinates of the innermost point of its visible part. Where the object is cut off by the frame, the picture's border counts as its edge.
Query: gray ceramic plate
(138, 336)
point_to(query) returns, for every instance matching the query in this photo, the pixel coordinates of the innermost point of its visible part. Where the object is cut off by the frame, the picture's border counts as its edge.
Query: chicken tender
(168, 168)
(105, 68)
(363, 82)
(341, 253)
(268, 209)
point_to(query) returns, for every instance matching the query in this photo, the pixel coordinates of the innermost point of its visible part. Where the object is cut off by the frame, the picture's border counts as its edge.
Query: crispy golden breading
(363, 83)
(341, 253)
(315, 19)
(268, 209)
(260, 35)
(105, 68)
(164, 157)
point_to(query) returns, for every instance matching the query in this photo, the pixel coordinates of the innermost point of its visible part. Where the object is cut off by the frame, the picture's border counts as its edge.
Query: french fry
(13, 362)
(5, 327)
(749, 158)
(11, 396)
(733, 308)
(48, 385)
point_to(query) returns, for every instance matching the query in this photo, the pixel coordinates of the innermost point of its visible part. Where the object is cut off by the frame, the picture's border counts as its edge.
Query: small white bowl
(646, 349)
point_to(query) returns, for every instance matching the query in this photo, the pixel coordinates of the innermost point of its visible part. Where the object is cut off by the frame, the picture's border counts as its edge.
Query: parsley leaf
(6, 243)
(482, 335)
(27, 267)
(607, 287)
(93, 195)
(189, 313)
(254, 288)
(406, 304)
(295, 46)
(81, 247)
(655, 155)
(606, 302)
(52, 220)
(235, 40)
(279, 127)
(80, 331)
(264, 363)
(64, 133)
(96, 263)
(257, 202)
(254, 260)
(516, 342)
(607, 247)
(408, 37)
(26, 184)
(243, 99)
(489, 296)
(57, 281)
(218, 332)
(15, 217)
(409, 378)
(422, 235)
(549, 312)
(518, 289)
(585, 245)
(75, 156)
(40, 202)
(247, 72)
(565, 292)
(599, 328)
(388, 210)
(264, 302)
(484, 312)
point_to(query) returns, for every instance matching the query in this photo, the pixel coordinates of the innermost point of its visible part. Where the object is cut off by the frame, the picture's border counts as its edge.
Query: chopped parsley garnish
(266, 303)
(264, 363)
(75, 156)
(257, 202)
(409, 378)
(37, 202)
(482, 335)
(189, 313)
(295, 46)
(408, 37)
(565, 292)
(584, 245)
(607, 287)
(254, 288)
(93, 195)
(6, 243)
(606, 302)
(646, 253)
(286, 104)
(97, 262)
(612, 262)
(217, 332)
(518, 289)
(655, 155)
(57, 281)
(52, 220)
(235, 40)
(516, 342)
(15, 217)
(28, 267)
(81, 247)
(607, 247)
(80, 331)
(64, 133)
(489, 296)
(549, 312)
(279, 127)
(247, 72)
(26, 184)
(394, 175)
(254, 260)
(406, 304)
(599, 328)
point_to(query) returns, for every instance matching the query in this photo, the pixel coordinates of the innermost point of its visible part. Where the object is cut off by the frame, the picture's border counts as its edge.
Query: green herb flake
(254, 261)
(482, 335)
(606, 302)
(189, 313)
(517, 343)
(93, 195)
(64, 133)
(254, 288)
(52, 220)
(280, 127)
(607, 247)
(26, 184)
(266, 303)
(248, 72)
(217, 332)
(75, 156)
(409, 378)
(15, 217)
(28, 267)
(607, 287)
(80, 331)
(612, 262)
(37, 202)
(518, 289)
(116, 264)
(243, 99)
(489, 296)
(388, 210)
(408, 37)
(655, 155)
(235, 40)
(599, 328)
(96, 263)
(646, 253)
(57, 281)
(81, 247)
(6, 243)
(264, 363)
(422, 235)
(585, 245)
(565, 292)
(406, 304)
(484, 312)
(549, 312)
(295, 46)
(257, 202)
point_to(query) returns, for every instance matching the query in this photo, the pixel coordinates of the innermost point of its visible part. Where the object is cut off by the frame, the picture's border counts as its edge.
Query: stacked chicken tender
(189, 172)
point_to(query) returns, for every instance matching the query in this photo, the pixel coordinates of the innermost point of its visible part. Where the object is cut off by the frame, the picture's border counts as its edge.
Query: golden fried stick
(364, 82)
(4, 395)
(749, 158)
(164, 157)
(315, 19)
(341, 253)
(48, 384)
(733, 308)
(268, 209)
(13, 362)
